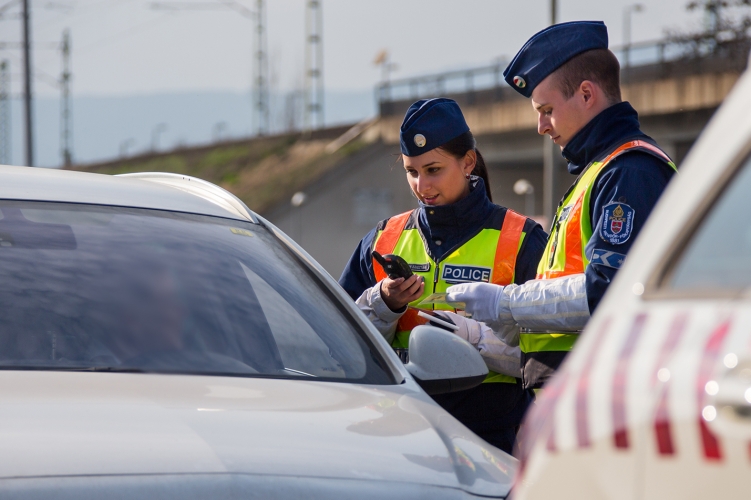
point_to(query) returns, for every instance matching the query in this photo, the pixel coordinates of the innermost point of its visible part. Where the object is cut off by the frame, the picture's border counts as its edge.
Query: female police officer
(456, 235)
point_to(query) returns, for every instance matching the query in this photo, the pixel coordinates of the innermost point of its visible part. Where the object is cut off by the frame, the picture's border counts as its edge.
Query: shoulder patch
(616, 223)
(606, 258)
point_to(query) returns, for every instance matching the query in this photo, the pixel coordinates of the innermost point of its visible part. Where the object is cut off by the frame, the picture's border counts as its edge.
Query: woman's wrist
(393, 307)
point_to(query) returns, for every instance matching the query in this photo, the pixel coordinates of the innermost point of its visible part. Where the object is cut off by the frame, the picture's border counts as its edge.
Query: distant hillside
(262, 172)
(102, 125)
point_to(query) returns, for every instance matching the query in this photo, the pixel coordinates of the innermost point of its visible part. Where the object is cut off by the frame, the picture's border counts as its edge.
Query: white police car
(159, 340)
(654, 402)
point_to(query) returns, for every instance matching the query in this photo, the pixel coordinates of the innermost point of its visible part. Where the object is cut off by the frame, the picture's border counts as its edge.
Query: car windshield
(117, 289)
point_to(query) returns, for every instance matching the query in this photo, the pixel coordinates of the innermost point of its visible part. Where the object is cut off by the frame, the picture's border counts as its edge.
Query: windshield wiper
(298, 372)
(119, 369)
(128, 369)
(73, 368)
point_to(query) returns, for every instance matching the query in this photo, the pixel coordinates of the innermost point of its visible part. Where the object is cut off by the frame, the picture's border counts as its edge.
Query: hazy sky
(123, 47)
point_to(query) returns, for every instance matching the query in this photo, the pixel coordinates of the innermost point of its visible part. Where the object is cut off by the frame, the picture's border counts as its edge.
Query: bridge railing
(651, 53)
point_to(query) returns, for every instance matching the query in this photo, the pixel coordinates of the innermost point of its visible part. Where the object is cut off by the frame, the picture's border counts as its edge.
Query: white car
(654, 402)
(159, 340)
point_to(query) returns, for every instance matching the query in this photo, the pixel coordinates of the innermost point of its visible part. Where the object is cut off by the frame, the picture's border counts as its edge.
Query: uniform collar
(469, 212)
(604, 132)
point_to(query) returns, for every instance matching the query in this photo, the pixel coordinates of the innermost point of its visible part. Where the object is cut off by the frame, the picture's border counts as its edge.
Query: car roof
(153, 190)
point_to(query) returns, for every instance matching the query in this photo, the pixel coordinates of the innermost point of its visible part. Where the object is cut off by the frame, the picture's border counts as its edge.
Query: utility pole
(66, 133)
(261, 72)
(313, 66)
(29, 137)
(548, 153)
(5, 157)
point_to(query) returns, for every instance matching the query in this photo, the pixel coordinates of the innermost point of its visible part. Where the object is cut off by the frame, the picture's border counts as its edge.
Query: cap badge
(420, 140)
(519, 82)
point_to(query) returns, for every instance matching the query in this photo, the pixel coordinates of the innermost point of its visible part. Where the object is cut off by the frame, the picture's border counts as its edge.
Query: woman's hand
(400, 292)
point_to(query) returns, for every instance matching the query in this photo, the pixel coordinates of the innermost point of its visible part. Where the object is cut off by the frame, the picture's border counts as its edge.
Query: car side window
(718, 255)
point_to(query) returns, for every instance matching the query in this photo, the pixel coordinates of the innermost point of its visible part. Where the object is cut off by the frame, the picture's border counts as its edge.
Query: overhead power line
(221, 5)
(260, 56)
(37, 45)
(7, 6)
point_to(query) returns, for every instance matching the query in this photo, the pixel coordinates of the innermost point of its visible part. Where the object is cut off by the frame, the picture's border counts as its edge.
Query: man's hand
(400, 292)
(482, 300)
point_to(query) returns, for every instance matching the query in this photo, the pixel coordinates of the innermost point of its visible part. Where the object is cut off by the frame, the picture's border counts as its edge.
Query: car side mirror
(441, 362)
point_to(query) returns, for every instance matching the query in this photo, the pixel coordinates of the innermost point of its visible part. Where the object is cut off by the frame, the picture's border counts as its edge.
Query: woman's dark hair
(458, 148)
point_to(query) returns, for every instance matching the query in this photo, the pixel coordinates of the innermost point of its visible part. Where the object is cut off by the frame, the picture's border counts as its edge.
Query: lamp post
(627, 11)
(125, 146)
(158, 130)
(549, 177)
(523, 187)
(383, 60)
(297, 201)
(27, 78)
(218, 131)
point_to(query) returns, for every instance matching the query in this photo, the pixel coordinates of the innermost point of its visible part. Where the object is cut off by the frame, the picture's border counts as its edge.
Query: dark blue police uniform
(635, 178)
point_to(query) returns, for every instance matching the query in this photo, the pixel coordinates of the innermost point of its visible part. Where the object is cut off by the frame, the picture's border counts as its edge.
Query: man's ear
(588, 92)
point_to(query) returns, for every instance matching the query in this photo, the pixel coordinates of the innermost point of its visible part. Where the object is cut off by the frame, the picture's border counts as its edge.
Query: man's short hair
(599, 66)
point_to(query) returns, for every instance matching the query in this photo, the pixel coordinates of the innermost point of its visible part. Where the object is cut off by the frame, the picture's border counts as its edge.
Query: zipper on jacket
(554, 236)
(435, 275)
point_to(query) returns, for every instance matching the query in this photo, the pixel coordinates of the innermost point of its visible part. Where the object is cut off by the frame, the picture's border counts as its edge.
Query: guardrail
(490, 77)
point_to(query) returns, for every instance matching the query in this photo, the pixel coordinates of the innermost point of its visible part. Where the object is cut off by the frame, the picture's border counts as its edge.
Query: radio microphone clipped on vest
(394, 266)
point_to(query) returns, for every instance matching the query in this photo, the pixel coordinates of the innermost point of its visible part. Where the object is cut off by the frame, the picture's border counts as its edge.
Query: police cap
(430, 123)
(546, 51)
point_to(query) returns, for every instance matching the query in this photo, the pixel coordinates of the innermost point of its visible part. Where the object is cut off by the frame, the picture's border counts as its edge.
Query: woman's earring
(467, 176)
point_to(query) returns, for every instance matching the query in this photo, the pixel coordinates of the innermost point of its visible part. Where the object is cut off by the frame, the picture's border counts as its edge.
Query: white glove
(484, 301)
(556, 304)
(499, 356)
(468, 329)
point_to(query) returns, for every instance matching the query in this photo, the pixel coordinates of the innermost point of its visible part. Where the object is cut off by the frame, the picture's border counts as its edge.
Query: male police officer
(573, 82)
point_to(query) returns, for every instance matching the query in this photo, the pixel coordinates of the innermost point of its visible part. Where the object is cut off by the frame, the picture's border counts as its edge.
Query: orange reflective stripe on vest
(508, 245)
(388, 239)
(384, 245)
(574, 246)
(636, 144)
